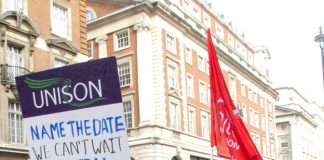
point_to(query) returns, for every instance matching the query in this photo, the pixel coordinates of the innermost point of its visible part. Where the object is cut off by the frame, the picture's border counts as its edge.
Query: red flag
(228, 132)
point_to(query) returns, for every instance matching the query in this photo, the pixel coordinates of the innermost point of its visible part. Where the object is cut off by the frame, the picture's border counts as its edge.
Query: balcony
(8, 73)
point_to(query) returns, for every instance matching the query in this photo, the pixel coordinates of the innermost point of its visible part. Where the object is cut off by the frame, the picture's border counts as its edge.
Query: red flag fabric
(228, 132)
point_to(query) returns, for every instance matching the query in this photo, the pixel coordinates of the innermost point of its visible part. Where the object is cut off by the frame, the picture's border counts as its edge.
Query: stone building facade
(163, 68)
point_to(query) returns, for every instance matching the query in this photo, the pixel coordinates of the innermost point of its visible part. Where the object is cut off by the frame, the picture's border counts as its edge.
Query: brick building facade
(34, 36)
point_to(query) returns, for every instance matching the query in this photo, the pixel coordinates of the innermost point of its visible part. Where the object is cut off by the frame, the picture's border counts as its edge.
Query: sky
(287, 28)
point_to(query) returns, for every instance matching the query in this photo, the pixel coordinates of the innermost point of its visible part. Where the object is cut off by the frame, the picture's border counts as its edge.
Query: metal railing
(8, 73)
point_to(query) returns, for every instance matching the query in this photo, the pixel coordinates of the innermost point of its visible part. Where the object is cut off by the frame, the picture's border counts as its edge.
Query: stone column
(145, 80)
(102, 45)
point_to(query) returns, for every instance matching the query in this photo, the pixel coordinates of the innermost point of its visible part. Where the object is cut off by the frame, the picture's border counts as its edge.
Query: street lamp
(320, 38)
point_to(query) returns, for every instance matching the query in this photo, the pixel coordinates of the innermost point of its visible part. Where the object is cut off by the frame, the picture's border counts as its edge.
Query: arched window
(132, 158)
(91, 14)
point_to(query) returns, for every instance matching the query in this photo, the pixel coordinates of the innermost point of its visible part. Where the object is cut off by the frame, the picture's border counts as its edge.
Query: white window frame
(23, 4)
(206, 20)
(284, 142)
(201, 63)
(251, 115)
(204, 117)
(190, 86)
(188, 54)
(257, 141)
(90, 54)
(207, 67)
(130, 99)
(14, 56)
(16, 112)
(171, 44)
(256, 119)
(54, 29)
(125, 61)
(230, 40)
(264, 146)
(208, 95)
(187, 4)
(196, 11)
(219, 31)
(61, 61)
(244, 112)
(263, 125)
(202, 92)
(116, 44)
(192, 120)
(92, 11)
(175, 82)
(243, 89)
(232, 86)
(174, 117)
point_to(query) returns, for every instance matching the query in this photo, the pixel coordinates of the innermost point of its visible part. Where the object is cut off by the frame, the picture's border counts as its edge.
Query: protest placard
(74, 112)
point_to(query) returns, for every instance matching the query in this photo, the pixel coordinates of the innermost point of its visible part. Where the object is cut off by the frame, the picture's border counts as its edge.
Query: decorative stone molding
(63, 44)
(3, 30)
(142, 26)
(32, 41)
(101, 40)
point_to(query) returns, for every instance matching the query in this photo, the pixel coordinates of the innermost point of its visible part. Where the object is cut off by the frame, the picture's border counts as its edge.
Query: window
(13, 5)
(174, 115)
(206, 20)
(15, 123)
(232, 87)
(196, 12)
(202, 92)
(255, 97)
(170, 43)
(256, 119)
(14, 56)
(252, 121)
(264, 146)
(60, 22)
(192, 120)
(284, 157)
(257, 142)
(128, 113)
(190, 86)
(124, 73)
(243, 89)
(219, 31)
(244, 113)
(90, 49)
(91, 15)
(208, 95)
(207, 67)
(204, 125)
(172, 76)
(250, 94)
(270, 107)
(230, 40)
(59, 63)
(188, 54)
(261, 102)
(121, 40)
(186, 4)
(284, 142)
(201, 63)
(263, 122)
(271, 125)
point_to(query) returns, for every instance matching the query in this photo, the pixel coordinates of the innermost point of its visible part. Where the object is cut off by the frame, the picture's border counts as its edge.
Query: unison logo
(56, 91)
